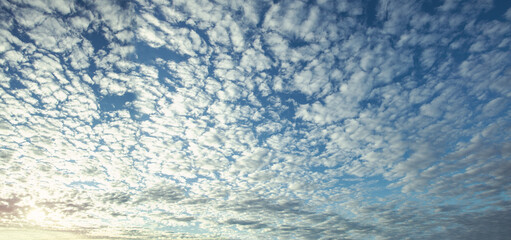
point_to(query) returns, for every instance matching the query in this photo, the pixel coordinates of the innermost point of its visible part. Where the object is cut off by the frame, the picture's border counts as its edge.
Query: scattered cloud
(249, 120)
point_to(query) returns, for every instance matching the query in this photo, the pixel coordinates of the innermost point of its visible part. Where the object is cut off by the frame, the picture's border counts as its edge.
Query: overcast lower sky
(261, 119)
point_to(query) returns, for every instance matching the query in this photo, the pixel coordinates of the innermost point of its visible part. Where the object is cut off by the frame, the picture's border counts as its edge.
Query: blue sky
(156, 119)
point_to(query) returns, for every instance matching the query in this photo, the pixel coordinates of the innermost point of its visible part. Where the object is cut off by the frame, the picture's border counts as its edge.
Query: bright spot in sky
(36, 215)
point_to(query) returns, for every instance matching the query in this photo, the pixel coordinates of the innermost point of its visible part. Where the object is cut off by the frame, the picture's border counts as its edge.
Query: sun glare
(36, 215)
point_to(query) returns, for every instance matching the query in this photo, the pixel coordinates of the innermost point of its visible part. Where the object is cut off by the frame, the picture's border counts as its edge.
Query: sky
(230, 119)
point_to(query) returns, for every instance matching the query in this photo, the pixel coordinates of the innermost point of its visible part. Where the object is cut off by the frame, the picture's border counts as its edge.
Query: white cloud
(508, 14)
(253, 59)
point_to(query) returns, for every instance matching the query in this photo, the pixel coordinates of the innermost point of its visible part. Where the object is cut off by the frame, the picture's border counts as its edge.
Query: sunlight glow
(36, 215)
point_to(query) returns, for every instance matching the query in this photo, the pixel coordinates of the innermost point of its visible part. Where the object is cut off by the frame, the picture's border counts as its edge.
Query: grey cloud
(117, 197)
(266, 205)
(184, 219)
(242, 222)
(161, 192)
(66, 207)
(9, 207)
(477, 225)
(315, 225)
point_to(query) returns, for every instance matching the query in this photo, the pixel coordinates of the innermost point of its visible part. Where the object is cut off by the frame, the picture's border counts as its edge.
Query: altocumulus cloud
(255, 119)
